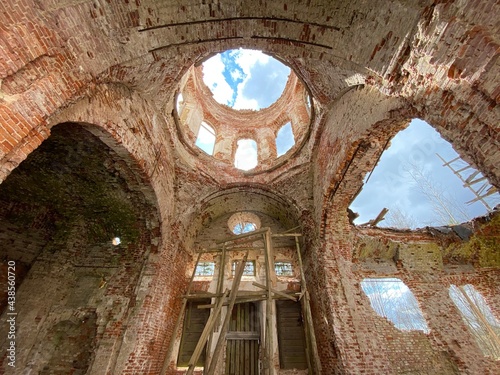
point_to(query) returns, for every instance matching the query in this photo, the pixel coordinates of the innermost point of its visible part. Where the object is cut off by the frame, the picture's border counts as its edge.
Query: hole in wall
(476, 313)
(392, 299)
(262, 97)
(412, 181)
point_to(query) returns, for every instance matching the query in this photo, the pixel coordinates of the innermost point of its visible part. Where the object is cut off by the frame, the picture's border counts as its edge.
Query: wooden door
(243, 339)
(291, 337)
(194, 323)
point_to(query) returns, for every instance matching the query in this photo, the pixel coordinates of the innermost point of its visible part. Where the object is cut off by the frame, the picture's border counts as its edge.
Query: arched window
(243, 222)
(206, 138)
(245, 157)
(284, 139)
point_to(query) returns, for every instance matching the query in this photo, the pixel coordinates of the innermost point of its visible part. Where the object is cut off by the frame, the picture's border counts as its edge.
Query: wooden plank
(233, 248)
(269, 261)
(287, 235)
(242, 335)
(244, 235)
(291, 335)
(220, 282)
(284, 295)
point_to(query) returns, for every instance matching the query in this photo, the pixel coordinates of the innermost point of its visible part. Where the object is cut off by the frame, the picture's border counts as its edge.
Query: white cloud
(246, 60)
(214, 79)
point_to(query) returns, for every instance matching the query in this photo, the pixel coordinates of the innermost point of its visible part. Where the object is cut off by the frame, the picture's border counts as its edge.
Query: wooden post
(270, 281)
(179, 320)
(223, 332)
(220, 286)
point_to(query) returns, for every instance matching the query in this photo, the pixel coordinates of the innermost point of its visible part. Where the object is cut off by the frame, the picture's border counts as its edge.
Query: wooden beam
(269, 264)
(244, 235)
(379, 217)
(275, 291)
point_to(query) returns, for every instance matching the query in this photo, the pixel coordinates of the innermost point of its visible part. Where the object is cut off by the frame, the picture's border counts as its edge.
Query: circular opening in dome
(243, 222)
(245, 79)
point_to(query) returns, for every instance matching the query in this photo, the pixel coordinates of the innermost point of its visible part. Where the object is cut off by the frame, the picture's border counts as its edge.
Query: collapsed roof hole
(206, 138)
(284, 139)
(411, 180)
(245, 79)
(245, 157)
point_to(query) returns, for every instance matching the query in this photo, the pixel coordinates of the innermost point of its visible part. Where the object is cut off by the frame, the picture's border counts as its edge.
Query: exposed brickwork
(115, 67)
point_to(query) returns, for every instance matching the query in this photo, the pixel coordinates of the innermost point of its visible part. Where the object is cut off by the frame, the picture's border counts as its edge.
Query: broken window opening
(416, 185)
(392, 299)
(205, 269)
(478, 316)
(283, 268)
(206, 138)
(245, 157)
(285, 139)
(249, 269)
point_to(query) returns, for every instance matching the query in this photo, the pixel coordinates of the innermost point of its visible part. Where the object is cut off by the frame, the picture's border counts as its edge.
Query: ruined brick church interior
(127, 248)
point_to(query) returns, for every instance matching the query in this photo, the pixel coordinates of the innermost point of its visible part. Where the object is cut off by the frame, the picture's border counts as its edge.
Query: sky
(413, 152)
(409, 178)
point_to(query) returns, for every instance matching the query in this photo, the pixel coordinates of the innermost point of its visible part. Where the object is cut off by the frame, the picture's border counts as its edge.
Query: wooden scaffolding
(232, 296)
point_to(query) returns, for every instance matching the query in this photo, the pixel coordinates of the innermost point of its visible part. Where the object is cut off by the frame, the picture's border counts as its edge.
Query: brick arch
(66, 201)
(237, 198)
